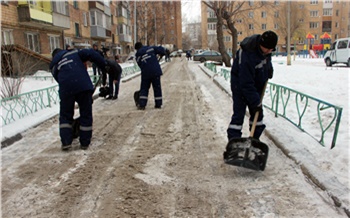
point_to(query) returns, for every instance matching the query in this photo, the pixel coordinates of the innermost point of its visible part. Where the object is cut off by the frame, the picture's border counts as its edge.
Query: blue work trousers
(157, 89)
(239, 108)
(84, 100)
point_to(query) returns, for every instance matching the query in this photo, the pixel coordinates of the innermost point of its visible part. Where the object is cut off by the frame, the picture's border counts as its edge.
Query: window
(313, 13)
(251, 14)
(33, 42)
(6, 37)
(337, 13)
(54, 42)
(276, 14)
(212, 14)
(336, 24)
(227, 38)
(301, 20)
(85, 19)
(342, 44)
(313, 25)
(263, 26)
(123, 12)
(301, 6)
(239, 33)
(96, 18)
(68, 41)
(77, 30)
(60, 7)
(75, 4)
(239, 21)
(251, 3)
(327, 26)
(276, 3)
(263, 14)
(251, 26)
(327, 12)
(276, 26)
(314, 2)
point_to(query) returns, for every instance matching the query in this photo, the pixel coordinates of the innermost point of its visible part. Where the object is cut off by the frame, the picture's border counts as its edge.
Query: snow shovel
(247, 152)
(76, 121)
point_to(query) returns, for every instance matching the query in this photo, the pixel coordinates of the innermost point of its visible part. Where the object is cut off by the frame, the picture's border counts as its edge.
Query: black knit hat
(138, 45)
(269, 39)
(55, 52)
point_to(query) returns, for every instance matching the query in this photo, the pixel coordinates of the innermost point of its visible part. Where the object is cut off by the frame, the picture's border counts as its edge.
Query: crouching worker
(68, 69)
(114, 71)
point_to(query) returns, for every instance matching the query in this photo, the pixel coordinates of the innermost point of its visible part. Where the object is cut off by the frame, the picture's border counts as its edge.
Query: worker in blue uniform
(146, 57)
(250, 71)
(114, 75)
(68, 69)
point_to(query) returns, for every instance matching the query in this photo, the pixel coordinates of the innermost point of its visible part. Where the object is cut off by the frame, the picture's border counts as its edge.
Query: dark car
(208, 56)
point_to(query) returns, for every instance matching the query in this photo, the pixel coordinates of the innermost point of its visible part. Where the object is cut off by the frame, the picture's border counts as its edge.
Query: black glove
(270, 72)
(257, 109)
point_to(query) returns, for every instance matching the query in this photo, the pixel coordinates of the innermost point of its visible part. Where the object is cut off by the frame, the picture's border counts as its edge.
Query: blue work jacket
(68, 69)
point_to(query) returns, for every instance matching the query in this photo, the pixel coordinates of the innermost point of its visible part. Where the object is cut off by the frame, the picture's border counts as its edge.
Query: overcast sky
(191, 11)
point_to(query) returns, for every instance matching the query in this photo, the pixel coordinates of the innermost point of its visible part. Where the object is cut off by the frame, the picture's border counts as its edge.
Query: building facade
(42, 26)
(312, 17)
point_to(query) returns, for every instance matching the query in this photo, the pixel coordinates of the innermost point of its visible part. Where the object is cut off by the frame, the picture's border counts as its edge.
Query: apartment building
(312, 17)
(42, 26)
(157, 22)
(194, 33)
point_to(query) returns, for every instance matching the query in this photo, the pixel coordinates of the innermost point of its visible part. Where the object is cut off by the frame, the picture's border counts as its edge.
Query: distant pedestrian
(250, 71)
(146, 57)
(68, 69)
(188, 55)
(167, 55)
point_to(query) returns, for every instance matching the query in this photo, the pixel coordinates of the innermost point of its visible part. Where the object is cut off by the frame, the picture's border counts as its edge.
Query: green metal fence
(319, 119)
(305, 111)
(19, 106)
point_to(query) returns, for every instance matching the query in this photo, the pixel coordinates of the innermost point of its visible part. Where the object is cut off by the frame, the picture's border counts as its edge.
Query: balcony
(99, 32)
(34, 17)
(124, 20)
(42, 18)
(60, 21)
(125, 38)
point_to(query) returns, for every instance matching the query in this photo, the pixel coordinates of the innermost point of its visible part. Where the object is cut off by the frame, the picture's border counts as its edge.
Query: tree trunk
(220, 37)
(234, 35)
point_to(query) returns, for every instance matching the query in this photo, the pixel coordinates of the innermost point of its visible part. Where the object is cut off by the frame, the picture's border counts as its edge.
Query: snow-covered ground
(309, 76)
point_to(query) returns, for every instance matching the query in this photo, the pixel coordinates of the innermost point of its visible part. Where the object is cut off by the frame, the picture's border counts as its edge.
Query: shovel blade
(246, 152)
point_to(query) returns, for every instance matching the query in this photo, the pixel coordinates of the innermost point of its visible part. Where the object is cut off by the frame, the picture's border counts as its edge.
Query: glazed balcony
(125, 38)
(42, 17)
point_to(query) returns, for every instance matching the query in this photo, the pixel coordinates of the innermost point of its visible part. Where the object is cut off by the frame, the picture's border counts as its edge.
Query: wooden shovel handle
(252, 131)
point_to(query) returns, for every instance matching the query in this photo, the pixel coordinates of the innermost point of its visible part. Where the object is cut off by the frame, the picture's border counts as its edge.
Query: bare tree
(226, 13)
(16, 63)
(186, 41)
(296, 27)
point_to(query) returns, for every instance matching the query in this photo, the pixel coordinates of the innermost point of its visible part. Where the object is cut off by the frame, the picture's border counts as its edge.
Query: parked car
(175, 54)
(208, 56)
(339, 52)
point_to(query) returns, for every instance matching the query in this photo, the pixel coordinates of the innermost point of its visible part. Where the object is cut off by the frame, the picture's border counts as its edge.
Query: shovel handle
(252, 131)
